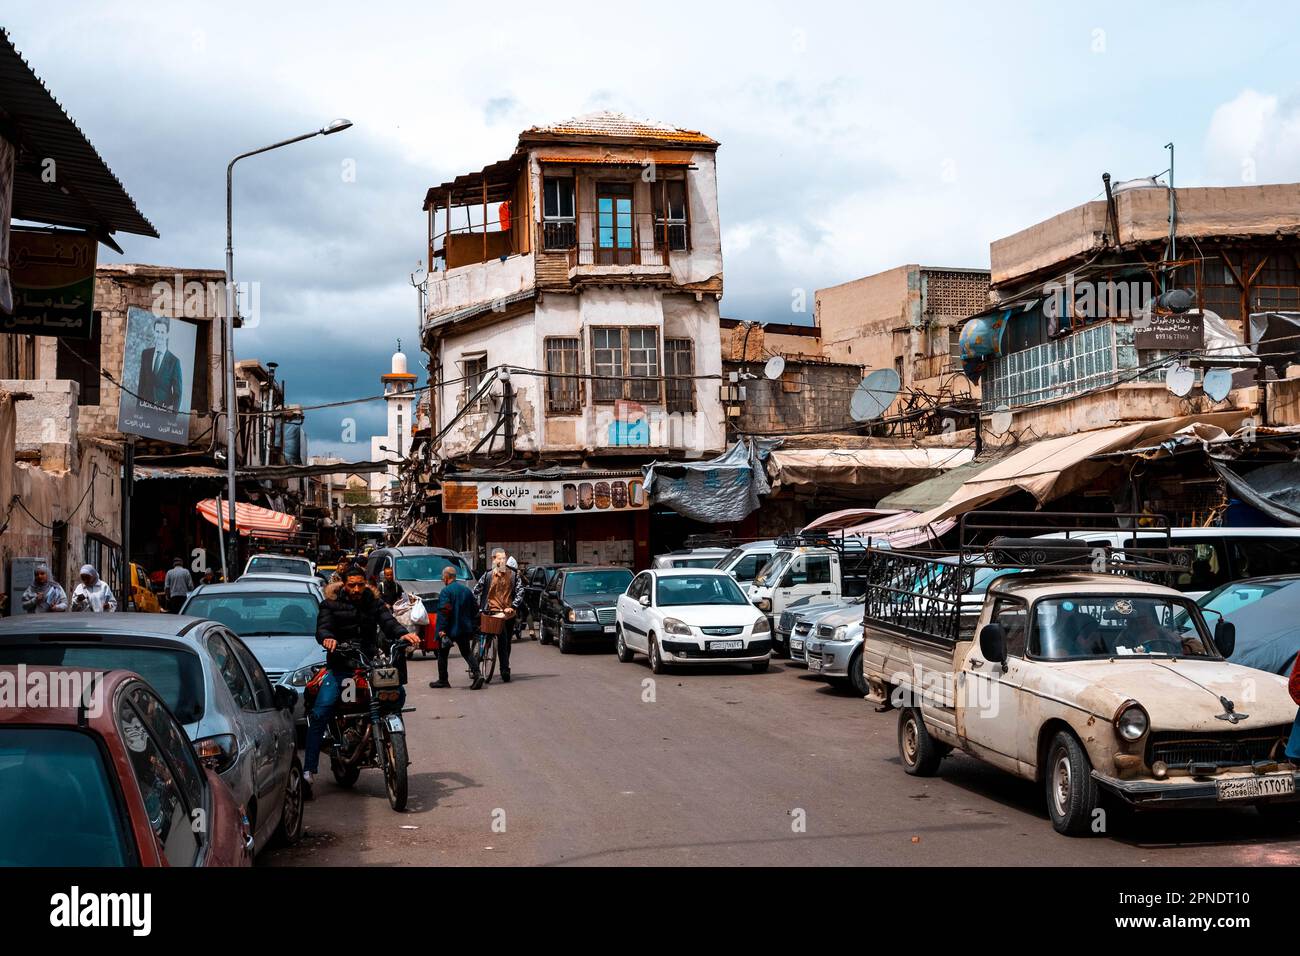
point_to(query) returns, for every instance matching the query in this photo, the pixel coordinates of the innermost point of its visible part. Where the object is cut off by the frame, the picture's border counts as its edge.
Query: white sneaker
(308, 777)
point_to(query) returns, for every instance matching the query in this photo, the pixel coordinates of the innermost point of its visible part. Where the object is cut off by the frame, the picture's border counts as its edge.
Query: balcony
(480, 283)
(608, 242)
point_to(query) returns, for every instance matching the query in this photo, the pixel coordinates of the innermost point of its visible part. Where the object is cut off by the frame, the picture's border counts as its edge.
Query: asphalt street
(581, 760)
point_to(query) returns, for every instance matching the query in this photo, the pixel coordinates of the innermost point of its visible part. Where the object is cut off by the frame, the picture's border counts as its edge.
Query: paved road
(569, 765)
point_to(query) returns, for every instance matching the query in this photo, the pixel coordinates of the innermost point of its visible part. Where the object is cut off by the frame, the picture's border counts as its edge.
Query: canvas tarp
(1055, 467)
(933, 492)
(864, 472)
(724, 489)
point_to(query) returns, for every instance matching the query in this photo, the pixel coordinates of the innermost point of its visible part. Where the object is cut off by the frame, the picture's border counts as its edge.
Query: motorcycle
(367, 729)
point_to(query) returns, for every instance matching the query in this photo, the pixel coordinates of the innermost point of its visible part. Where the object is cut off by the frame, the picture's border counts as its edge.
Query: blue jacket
(457, 611)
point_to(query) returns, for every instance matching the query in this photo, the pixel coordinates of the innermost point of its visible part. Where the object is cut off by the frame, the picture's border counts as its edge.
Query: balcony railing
(613, 238)
(1096, 357)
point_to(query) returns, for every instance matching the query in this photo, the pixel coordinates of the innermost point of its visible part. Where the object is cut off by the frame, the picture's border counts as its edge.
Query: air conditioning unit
(242, 387)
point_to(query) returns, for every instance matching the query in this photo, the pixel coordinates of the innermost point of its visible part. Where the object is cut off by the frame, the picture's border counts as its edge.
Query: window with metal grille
(671, 222)
(78, 361)
(607, 364)
(563, 395)
(679, 359)
(643, 365)
(473, 368)
(559, 226)
(625, 363)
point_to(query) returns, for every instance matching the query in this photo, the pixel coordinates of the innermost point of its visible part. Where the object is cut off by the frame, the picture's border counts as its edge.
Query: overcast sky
(855, 137)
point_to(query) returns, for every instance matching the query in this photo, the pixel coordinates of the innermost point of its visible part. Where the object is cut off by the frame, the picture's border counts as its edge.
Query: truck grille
(605, 615)
(1227, 750)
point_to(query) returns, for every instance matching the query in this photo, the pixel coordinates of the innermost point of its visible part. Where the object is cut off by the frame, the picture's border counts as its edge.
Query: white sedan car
(690, 616)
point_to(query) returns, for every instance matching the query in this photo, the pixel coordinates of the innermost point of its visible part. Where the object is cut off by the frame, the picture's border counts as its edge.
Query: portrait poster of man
(158, 375)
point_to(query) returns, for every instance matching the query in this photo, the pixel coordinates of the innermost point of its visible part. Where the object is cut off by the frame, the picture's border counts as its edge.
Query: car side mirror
(993, 643)
(285, 697)
(644, 600)
(1225, 637)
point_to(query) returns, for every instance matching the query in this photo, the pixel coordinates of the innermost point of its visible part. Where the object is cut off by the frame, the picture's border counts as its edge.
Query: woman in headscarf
(92, 594)
(44, 594)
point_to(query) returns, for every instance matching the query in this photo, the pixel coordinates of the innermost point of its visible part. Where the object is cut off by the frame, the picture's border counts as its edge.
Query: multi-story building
(573, 330)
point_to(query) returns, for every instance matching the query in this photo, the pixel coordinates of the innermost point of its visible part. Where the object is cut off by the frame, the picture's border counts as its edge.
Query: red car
(97, 772)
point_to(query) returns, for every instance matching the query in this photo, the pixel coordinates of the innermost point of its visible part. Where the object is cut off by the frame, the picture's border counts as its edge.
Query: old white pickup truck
(1084, 682)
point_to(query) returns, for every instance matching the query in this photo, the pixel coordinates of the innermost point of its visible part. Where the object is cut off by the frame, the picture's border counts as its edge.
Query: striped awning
(250, 519)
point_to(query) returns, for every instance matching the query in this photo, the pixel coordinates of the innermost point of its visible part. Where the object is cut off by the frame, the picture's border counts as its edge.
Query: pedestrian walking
(177, 586)
(389, 589)
(93, 593)
(501, 591)
(44, 594)
(457, 622)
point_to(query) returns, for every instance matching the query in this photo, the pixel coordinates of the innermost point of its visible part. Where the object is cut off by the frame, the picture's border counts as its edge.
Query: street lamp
(335, 126)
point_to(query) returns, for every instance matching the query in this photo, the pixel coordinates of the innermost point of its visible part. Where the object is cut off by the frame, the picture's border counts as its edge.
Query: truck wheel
(856, 676)
(915, 745)
(1072, 796)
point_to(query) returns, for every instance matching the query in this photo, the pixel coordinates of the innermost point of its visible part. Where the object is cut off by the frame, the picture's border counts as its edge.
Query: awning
(847, 518)
(935, 491)
(891, 528)
(863, 472)
(250, 519)
(1055, 467)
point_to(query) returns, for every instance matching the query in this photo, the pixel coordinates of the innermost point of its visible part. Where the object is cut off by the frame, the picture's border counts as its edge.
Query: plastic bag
(419, 614)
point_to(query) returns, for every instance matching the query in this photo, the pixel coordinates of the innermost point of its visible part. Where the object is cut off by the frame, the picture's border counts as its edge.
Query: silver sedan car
(240, 725)
(834, 649)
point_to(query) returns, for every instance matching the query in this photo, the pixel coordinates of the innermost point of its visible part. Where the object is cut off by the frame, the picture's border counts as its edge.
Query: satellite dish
(774, 368)
(1000, 421)
(874, 394)
(1180, 379)
(1217, 383)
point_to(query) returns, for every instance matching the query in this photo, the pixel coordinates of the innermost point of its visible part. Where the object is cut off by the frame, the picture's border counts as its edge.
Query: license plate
(383, 678)
(796, 644)
(1269, 785)
(726, 645)
(814, 663)
(609, 628)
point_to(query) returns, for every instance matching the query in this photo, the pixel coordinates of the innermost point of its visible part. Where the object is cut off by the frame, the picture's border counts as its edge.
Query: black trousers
(503, 646)
(175, 602)
(466, 651)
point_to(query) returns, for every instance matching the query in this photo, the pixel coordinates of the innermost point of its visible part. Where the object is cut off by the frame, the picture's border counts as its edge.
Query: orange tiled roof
(619, 126)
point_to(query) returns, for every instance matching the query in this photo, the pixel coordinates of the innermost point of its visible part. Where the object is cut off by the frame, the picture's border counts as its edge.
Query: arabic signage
(1173, 332)
(568, 496)
(157, 375)
(53, 276)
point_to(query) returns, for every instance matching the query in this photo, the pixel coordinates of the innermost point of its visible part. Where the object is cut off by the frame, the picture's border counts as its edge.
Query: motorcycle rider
(351, 613)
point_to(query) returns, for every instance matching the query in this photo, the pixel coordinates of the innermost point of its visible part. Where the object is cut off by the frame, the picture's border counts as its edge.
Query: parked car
(281, 564)
(744, 562)
(805, 627)
(536, 578)
(690, 616)
(117, 784)
(800, 570)
(579, 605)
(275, 615)
(834, 649)
(1266, 613)
(418, 571)
(239, 723)
(690, 558)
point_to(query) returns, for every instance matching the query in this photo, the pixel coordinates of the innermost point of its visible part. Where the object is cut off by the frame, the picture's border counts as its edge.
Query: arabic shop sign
(53, 276)
(569, 496)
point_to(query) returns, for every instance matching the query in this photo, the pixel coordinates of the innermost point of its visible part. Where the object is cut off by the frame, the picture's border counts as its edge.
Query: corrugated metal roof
(615, 125)
(85, 193)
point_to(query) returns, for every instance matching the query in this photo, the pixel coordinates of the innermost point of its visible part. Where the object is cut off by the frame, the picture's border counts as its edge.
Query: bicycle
(485, 653)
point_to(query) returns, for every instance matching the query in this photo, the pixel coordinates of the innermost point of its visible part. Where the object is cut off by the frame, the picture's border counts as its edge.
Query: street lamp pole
(227, 553)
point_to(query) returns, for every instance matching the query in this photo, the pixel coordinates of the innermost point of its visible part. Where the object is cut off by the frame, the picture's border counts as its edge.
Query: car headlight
(764, 604)
(674, 626)
(579, 614)
(841, 633)
(761, 626)
(300, 677)
(1132, 722)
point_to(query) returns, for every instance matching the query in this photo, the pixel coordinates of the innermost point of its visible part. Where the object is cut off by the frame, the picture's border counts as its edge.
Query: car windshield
(428, 567)
(772, 571)
(262, 614)
(176, 673)
(1234, 597)
(693, 562)
(56, 805)
(682, 589)
(265, 564)
(1108, 625)
(591, 583)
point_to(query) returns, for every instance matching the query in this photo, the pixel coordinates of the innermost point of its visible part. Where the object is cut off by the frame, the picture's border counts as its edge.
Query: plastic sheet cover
(727, 488)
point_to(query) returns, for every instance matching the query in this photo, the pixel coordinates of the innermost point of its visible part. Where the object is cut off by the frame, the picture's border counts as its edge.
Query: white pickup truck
(1087, 683)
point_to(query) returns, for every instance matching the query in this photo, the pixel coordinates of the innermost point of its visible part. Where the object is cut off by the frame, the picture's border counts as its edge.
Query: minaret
(401, 402)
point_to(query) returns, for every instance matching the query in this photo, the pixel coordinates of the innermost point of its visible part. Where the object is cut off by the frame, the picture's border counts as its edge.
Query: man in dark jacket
(457, 623)
(350, 614)
(501, 590)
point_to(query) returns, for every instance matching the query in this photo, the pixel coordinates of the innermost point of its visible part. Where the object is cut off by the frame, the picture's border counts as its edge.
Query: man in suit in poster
(160, 370)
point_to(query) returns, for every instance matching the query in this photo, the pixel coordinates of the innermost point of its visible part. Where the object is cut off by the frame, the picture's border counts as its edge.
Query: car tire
(543, 635)
(564, 643)
(760, 667)
(292, 816)
(625, 653)
(916, 747)
(1072, 794)
(657, 665)
(858, 679)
